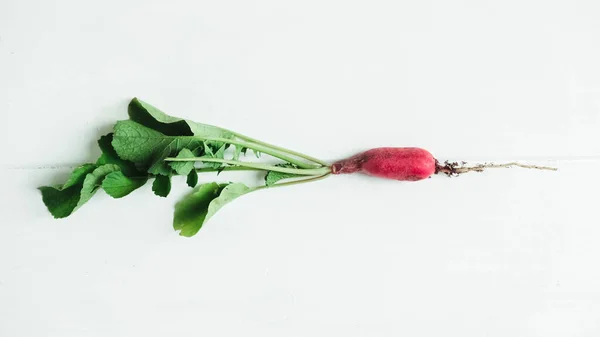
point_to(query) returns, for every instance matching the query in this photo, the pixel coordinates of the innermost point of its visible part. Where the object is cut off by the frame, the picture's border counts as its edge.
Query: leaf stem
(305, 172)
(282, 149)
(228, 168)
(296, 182)
(264, 149)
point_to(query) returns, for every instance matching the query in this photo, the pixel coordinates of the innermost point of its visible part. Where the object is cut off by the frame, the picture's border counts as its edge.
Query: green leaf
(151, 136)
(152, 117)
(78, 175)
(148, 148)
(256, 153)
(110, 156)
(183, 167)
(192, 178)
(214, 150)
(239, 150)
(84, 181)
(118, 185)
(192, 212)
(272, 176)
(162, 186)
(228, 194)
(93, 181)
(61, 201)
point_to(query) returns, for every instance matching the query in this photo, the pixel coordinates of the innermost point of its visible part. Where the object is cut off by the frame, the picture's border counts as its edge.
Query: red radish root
(398, 163)
(409, 164)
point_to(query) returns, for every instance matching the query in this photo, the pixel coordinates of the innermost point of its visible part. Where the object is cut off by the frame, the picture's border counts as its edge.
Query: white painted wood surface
(504, 253)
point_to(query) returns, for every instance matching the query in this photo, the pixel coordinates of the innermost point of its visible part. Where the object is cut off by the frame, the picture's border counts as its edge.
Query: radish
(152, 145)
(407, 164)
(398, 163)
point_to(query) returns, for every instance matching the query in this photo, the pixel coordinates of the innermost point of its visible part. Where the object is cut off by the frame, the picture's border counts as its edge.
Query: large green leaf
(151, 136)
(61, 201)
(228, 194)
(148, 148)
(152, 117)
(84, 181)
(192, 210)
(118, 185)
(198, 207)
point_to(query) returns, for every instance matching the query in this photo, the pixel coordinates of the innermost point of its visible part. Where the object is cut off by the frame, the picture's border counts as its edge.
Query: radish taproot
(398, 163)
(409, 164)
(152, 144)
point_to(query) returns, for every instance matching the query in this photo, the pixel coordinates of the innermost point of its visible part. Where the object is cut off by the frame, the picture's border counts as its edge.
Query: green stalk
(296, 182)
(305, 172)
(278, 148)
(228, 168)
(262, 148)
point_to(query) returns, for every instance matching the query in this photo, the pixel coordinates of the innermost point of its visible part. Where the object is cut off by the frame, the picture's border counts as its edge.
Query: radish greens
(152, 145)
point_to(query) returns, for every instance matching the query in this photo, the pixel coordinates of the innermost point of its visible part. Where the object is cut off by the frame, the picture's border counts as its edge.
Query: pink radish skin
(398, 163)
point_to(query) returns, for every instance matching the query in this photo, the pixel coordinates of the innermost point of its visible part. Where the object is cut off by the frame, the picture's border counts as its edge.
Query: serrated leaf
(238, 151)
(197, 208)
(110, 156)
(61, 201)
(148, 148)
(221, 151)
(183, 167)
(118, 185)
(214, 150)
(273, 176)
(192, 178)
(162, 186)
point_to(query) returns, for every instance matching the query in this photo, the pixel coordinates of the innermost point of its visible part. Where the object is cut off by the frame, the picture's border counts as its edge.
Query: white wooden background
(504, 253)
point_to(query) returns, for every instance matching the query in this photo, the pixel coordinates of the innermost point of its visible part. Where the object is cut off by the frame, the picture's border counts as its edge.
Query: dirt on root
(453, 169)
